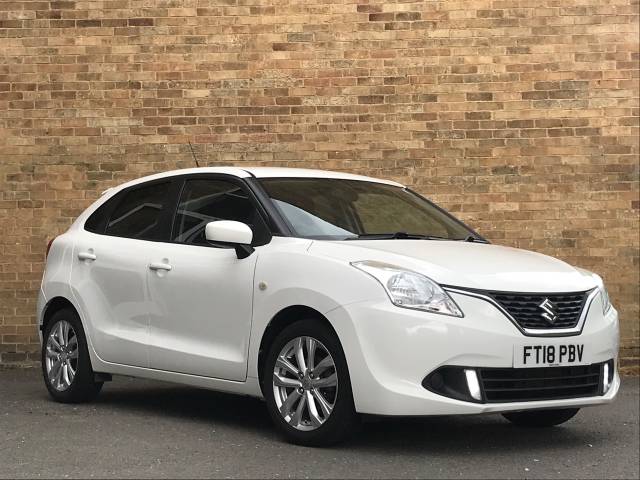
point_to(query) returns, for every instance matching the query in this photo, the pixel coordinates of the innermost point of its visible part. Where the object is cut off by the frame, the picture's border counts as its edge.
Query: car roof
(280, 172)
(258, 172)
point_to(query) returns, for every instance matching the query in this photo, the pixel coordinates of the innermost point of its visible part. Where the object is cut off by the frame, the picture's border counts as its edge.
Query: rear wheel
(307, 385)
(66, 366)
(541, 418)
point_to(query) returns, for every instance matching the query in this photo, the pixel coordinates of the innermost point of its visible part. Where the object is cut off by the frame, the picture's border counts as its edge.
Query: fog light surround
(460, 383)
(507, 384)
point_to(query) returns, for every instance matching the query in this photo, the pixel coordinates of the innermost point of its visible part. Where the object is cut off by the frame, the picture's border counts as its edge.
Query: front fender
(320, 283)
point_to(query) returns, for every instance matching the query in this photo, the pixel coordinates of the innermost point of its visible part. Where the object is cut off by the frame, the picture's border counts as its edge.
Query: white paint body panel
(272, 172)
(466, 264)
(110, 291)
(200, 311)
(229, 232)
(201, 321)
(393, 349)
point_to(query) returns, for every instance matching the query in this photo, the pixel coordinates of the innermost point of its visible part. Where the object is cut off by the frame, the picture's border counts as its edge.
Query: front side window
(327, 208)
(139, 213)
(205, 200)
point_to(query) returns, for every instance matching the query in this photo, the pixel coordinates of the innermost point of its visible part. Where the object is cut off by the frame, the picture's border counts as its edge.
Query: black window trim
(181, 180)
(111, 204)
(276, 224)
(258, 197)
(279, 226)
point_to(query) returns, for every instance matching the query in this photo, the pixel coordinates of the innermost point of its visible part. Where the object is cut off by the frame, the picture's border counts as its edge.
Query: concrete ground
(140, 428)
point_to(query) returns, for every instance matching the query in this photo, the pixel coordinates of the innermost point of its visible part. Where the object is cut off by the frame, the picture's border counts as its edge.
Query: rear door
(202, 295)
(109, 272)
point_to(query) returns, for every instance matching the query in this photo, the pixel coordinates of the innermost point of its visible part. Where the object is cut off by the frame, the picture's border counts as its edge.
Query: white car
(329, 295)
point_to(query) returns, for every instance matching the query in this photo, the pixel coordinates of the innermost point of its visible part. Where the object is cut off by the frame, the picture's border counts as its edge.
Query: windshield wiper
(396, 236)
(412, 236)
(472, 238)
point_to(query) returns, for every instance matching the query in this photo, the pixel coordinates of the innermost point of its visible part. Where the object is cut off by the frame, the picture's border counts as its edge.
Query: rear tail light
(49, 247)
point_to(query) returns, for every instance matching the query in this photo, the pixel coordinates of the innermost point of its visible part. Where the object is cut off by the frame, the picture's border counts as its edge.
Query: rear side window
(98, 219)
(205, 200)
(140, 212)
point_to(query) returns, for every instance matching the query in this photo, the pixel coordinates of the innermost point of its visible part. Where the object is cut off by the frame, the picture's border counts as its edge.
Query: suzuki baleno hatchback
(329, 295)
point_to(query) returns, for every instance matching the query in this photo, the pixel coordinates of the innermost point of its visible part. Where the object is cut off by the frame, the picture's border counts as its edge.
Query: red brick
(521, 122)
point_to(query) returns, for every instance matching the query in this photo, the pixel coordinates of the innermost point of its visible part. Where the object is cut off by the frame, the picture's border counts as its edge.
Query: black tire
(83, 387)
(343, 420)
(541, 418)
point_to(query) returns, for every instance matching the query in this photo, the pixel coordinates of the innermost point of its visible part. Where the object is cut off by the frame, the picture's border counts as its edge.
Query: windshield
(336, 209)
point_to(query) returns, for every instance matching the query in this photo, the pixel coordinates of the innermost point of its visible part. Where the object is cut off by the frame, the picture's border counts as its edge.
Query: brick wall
(521, 117)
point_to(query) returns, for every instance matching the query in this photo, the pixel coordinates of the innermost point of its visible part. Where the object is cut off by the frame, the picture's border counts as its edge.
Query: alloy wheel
(305, 383)
(61, 356)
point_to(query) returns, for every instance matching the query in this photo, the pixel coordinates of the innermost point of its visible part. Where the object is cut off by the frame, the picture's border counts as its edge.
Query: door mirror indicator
(230, 234)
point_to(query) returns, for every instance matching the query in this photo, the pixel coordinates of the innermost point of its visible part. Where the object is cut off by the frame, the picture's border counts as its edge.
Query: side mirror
(232, 234)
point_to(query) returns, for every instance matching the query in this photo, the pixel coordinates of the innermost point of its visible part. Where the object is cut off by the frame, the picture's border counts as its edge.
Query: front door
(202, 295)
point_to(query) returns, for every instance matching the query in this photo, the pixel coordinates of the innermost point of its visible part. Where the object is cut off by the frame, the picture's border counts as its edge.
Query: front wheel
(307, 385)
(541, 418)
(66, 365)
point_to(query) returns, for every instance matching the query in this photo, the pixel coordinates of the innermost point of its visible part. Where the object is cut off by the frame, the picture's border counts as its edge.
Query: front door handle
(87, 256)
(159, 266)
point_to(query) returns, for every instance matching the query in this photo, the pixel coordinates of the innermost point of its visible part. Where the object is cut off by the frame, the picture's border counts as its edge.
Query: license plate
(550, 355)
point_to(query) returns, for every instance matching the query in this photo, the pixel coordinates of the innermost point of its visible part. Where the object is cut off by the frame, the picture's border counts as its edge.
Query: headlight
(410, 289)
(604, 297)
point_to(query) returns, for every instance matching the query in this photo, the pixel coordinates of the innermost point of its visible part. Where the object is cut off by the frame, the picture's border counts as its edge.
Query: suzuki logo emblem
(550, 314)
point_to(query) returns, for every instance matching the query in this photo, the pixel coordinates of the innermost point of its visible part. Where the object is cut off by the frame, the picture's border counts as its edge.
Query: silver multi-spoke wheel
(61, 356)
(305, 383)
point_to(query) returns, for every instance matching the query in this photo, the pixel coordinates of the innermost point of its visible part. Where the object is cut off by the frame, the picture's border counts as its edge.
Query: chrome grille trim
(540, 311)
(532, 332)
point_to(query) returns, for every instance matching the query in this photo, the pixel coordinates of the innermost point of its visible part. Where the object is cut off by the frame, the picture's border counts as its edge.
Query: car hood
(467, 264)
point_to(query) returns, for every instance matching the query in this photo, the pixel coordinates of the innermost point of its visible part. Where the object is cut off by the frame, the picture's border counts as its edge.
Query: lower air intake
(548, 383)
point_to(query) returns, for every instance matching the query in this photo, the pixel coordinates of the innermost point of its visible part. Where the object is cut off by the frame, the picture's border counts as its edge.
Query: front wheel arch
(339, 418)
(279, 322)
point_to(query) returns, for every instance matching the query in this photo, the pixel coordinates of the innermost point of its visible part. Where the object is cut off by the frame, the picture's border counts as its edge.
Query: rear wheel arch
(279, 322)
(55, 305)
(58, 354)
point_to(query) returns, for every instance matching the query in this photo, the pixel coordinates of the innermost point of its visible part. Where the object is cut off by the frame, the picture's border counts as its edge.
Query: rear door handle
(87, 256)
(159, 266)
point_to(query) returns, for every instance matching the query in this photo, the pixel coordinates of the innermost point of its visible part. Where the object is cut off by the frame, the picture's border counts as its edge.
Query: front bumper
(390, 350)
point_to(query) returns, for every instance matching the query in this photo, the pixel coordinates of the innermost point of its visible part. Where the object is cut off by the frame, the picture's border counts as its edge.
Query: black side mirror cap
(243, 251)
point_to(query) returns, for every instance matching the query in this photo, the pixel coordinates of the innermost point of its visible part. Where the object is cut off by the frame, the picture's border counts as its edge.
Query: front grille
(547, 383)
(526, 310)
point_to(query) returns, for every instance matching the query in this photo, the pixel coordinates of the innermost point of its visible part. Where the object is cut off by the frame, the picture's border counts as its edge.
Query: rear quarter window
(97, 221)
(139, 213)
